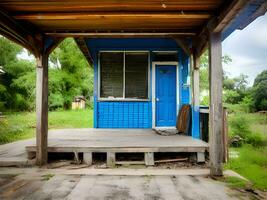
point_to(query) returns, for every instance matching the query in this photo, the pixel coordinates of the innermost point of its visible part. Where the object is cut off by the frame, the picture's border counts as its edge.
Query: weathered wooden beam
(90, 15)
(216, 107)
(226, 16)
(218, 23)
(84, 49)
(183, 44)
(52, 45)
(14, 31)
(45, 46)
(120, 34)
(41, 109)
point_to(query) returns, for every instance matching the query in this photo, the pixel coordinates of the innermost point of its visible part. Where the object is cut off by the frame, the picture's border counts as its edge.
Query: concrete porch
(112, 141)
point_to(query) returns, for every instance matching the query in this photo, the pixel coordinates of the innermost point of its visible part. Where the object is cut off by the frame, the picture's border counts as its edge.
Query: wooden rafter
(84, 49)
(183, 44)
(217, 24)
(90, 15)
(55, 42)
(14, 31)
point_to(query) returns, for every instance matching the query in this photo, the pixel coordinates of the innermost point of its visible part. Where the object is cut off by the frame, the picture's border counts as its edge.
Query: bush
(256, 139)
(239, 126)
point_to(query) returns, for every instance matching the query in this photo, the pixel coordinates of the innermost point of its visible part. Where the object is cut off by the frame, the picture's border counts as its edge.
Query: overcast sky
(248, 50)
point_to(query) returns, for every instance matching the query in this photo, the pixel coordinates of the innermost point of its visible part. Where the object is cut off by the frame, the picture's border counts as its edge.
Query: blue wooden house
(140, 82)
(145, 54)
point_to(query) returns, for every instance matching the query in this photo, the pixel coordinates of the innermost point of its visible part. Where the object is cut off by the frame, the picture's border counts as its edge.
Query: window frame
(123, 98)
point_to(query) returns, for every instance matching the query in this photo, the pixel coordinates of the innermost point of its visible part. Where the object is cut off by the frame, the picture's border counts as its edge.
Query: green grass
(235, 182)
(252, 164)
(252, 161)
(21, 125)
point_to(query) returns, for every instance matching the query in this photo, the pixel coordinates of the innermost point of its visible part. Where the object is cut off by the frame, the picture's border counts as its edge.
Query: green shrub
(239, 125)
(255, 139)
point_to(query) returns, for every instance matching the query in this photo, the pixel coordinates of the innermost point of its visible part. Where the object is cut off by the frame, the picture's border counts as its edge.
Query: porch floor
(108, 141)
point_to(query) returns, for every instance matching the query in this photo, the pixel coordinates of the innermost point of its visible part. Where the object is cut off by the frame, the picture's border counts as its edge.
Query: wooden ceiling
(55, 17)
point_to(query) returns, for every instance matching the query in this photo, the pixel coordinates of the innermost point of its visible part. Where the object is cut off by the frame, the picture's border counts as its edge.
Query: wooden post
(88, 158)
(111, 159)
(195, 96)
(195, 80)
(216, 108)
(149, 158)
(41, 109)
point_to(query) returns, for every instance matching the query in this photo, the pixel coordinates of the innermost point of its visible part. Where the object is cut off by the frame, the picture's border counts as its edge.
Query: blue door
(165, 95)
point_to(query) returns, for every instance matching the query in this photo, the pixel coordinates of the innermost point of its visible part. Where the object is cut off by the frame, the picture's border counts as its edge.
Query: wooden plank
(84, 49)
(218, 23)
(130, 162)
(216, 108)
(119, 34)
(183, 44)
(171, 160)
(14, 31)
(227, 15)
(88, 158)
(111, 159)
(104, 15)
(109, 5)
(41, 109)
(54, 44)
(149, 158)
(120, 150)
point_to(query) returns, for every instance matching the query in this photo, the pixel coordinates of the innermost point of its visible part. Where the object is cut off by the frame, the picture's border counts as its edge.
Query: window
(111, 75)
(124, 75)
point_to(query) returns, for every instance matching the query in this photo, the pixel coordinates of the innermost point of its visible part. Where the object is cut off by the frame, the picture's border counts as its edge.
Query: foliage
(239, 126)
(21, 125)
(230, 96)
(250, 127)
(259, 92)
(69, 75)
(252, 164)
(17, 81)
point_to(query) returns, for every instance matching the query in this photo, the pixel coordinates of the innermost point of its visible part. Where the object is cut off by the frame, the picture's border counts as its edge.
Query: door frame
(154, 64)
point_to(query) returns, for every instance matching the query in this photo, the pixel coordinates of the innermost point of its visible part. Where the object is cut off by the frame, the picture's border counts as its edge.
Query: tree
(17, 81)
(235, 88)
(204, 73)
(259, 91)
(70, 75)
(204, 69)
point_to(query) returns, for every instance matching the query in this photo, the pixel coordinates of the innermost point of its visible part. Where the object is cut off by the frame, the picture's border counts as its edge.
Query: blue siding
(124, 114)
(183, 75)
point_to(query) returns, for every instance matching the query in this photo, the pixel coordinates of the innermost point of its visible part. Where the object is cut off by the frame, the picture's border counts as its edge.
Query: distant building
(78, 103)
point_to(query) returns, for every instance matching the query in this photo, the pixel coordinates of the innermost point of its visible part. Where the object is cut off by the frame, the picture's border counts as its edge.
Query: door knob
(157, 99)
